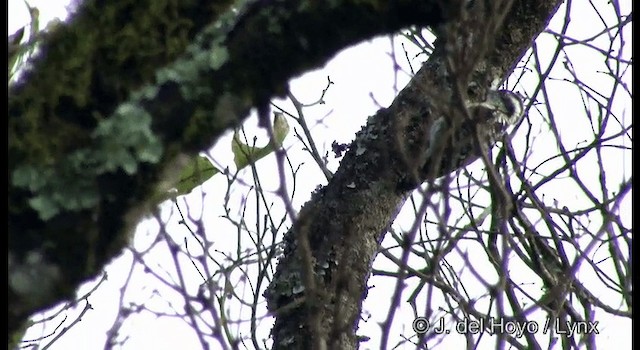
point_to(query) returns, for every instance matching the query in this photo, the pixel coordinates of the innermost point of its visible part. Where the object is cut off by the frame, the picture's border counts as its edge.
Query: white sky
(348, 105)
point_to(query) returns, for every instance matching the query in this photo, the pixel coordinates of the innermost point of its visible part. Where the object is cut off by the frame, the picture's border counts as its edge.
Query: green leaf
(14, 48)
(195, 174)
(245, 154)
(18, 52)
(200, 168)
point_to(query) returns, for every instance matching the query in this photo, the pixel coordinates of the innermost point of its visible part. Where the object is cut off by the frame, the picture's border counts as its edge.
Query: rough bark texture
(127, 88)
(321, 279)
(122, 92)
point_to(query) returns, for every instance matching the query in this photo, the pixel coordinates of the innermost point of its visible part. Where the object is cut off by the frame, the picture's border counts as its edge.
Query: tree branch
(115, 99)
(346, 220)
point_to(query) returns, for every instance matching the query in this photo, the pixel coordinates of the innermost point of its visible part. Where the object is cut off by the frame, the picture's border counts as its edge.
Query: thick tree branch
(123, 91)
(345, 221)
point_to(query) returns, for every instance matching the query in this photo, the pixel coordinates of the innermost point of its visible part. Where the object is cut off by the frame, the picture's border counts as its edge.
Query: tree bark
(321, 279)
(119, 95)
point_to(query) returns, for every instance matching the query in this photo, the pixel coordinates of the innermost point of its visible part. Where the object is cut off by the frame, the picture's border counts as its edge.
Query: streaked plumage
(492, 117)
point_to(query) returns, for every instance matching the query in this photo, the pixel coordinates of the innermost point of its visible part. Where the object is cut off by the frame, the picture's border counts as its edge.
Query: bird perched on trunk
(452, 146)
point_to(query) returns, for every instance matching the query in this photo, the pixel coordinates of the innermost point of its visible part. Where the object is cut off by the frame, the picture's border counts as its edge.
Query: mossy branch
(164, 77)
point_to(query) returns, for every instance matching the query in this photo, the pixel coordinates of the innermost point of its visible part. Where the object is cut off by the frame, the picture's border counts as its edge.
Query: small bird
(456, 148)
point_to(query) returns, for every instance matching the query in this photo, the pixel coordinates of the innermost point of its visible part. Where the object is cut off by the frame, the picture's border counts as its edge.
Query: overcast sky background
(363, 79)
